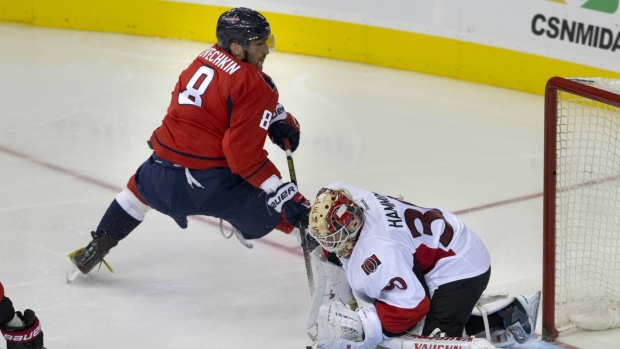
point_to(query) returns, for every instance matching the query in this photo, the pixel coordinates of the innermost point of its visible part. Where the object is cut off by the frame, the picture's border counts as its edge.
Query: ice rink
(76, 109)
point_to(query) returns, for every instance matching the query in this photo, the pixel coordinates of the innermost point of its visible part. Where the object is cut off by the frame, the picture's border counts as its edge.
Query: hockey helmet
(242, 25)
(335, 220)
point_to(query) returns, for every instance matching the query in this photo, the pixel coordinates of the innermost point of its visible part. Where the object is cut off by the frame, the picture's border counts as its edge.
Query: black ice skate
(86, 258)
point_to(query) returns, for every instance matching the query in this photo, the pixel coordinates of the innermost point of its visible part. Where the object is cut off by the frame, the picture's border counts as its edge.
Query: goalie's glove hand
(373, 332)
(288, 201)
(341, 317)
(28, 336)
(284, 125)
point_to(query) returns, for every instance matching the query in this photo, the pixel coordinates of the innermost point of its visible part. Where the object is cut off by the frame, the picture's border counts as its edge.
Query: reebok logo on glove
(283, 194)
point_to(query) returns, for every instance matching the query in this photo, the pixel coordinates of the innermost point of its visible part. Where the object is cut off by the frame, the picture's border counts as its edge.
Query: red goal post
(581, 204)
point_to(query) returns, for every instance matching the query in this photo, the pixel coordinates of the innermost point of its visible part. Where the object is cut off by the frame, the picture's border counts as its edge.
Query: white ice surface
(77, 107)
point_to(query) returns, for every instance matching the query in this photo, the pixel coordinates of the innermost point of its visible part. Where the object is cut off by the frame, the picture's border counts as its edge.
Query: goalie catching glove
(23, 332)
(342, 328)
(288, 201)
(284, 125)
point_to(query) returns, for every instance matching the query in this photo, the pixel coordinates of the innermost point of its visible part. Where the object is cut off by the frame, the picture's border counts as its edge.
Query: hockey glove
(339, 327)
(288, 201)
(284, 125)
(28, 336)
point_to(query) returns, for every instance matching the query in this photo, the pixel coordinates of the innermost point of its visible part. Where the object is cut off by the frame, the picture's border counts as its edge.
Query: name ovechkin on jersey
(220, 60)
(390, 212)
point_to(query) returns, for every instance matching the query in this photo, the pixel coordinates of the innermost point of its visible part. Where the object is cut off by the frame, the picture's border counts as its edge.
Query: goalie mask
(335, 221)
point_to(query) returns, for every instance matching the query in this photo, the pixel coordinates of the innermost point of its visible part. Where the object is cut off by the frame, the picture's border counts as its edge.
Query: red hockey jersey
(218, 116)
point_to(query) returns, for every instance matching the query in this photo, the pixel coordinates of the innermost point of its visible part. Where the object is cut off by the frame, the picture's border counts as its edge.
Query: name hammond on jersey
(220, 60)
(390, 211)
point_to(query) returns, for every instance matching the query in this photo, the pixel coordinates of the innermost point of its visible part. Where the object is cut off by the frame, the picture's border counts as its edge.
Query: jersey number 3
(420, 223)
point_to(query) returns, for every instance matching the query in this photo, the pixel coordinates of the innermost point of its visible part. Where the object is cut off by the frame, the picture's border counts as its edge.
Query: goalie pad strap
(485, 319)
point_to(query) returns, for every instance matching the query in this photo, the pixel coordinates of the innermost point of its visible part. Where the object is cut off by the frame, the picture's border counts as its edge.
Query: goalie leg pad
(330, 283)
(520, 318)
(518, 315)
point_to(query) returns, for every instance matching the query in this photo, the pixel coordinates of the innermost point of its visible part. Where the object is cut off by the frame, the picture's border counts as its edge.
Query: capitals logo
(607, 6)
(371, 264)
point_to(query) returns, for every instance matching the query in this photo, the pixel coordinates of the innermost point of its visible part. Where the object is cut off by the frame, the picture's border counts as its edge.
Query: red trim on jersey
(285, 226)
(398, 320)
(131, 185)
(428, 257)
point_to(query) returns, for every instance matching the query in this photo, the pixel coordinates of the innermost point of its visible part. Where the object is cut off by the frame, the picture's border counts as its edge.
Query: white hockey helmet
(335, 221)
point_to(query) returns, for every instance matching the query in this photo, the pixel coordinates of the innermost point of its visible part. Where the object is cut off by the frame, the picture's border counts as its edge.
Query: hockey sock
(116, 222)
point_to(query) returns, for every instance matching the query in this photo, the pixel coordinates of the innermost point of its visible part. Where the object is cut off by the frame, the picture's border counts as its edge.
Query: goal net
(581, 223)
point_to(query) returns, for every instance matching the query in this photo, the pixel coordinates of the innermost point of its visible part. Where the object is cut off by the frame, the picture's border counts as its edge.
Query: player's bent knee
(132, 204)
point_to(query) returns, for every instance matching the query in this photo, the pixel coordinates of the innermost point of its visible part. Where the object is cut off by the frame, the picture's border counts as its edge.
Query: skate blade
(73, 274)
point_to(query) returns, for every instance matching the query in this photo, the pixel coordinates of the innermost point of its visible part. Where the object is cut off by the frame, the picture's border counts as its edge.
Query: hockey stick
(304, 224)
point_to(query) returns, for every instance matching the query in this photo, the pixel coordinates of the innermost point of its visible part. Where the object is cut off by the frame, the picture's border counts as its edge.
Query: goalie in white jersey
(413, 266)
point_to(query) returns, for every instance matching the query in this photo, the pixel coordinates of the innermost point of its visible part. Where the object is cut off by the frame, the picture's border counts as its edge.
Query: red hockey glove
(284, 125)
(29, 336)
(288, 200)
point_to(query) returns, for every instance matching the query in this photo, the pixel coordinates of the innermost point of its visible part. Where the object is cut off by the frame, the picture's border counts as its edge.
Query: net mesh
(587, 203)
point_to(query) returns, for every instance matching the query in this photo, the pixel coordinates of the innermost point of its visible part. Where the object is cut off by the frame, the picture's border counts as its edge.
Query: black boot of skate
(86, 258)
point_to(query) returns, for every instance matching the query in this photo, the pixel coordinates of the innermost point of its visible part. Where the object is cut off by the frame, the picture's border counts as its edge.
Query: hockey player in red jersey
(420, 270)
(21, 331)
(208, 157)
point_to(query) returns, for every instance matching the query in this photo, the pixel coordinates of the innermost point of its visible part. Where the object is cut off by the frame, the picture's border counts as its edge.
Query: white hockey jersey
(394, 233)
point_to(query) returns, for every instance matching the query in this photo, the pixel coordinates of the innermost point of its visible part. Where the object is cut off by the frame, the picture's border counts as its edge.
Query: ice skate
(86, 258)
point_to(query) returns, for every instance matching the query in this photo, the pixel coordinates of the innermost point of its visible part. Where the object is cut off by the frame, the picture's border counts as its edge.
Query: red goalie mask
(335, 220)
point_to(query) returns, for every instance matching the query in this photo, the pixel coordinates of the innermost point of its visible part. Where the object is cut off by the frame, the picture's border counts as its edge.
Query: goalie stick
(304, 224)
